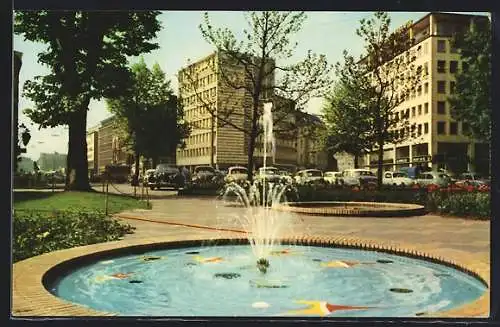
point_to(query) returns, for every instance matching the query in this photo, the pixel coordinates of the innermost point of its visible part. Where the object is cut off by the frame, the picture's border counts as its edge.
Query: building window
(426, 108)
(397, 116)
(426, 69)
(441, 127)
(441, 64)
(453, 49)
(419, 131)
(453, 128)
(441, 87)
(419, 90)
(441, 46)
(426, 48)
(441, 107)
(453, 66)
(426, 128)
(413, 111)
(419, 109)
(426, 88)
(452, 87)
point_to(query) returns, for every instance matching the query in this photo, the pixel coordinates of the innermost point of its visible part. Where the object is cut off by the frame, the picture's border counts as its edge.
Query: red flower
(469, 188)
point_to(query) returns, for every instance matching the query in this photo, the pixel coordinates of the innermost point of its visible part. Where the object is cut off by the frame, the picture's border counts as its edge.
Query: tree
(384, 77)
(471, 101)
(87, 55)
(348, 129)
(248, 70)
(149, 114)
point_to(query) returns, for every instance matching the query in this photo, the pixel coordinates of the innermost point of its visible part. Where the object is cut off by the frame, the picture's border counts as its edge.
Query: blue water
(181, 284)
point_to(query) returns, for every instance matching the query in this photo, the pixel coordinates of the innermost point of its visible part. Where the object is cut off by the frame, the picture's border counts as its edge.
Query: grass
(48, 201)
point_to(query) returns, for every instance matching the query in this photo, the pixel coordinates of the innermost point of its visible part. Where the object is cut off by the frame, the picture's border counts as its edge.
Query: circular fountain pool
(301, 281)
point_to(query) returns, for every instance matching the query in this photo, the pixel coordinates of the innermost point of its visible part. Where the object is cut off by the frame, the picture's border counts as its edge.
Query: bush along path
(38, 232)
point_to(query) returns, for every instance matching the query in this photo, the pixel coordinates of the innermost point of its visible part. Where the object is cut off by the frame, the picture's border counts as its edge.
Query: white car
(433, 177)
(397, 178)
(269, 174)
(358, 177)
(309, 176)
(236, 174)
(332, 177)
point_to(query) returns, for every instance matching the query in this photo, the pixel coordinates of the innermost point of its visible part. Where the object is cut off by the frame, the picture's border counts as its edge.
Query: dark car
(166, 175)
(206, 177)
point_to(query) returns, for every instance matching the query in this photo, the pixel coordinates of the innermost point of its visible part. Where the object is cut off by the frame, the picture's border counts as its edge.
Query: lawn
(89, 201)
(45, 221)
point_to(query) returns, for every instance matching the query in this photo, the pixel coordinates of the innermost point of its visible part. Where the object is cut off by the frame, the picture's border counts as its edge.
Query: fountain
(267, 273)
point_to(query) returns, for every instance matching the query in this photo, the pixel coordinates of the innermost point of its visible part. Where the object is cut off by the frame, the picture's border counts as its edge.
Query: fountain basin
(190, 289)
(353, 209)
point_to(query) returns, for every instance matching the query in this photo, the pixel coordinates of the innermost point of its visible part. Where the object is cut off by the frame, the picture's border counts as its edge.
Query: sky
(180, 39)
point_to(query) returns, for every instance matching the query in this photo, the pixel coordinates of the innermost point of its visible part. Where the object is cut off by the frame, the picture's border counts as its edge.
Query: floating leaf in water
(317, 260)
(401, 290)
(384, 261)
(420, 313)
(135, 281)
(150, 258)
(193, 252)
(227, 275)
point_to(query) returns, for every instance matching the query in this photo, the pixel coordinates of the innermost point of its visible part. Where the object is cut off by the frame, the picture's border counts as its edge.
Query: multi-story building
(52, 161)
(109, 148)
(93, 151)
(310, 152)
(201, 87)
(439, 141)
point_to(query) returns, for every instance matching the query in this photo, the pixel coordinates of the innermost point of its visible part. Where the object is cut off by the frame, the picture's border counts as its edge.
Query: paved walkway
(429, 232)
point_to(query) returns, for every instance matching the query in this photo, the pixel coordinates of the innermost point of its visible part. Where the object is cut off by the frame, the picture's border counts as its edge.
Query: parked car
(236, 174)
(433, 177)
(205, 177)
(473, 179)
(332, 177)
(309, 176)
(147, 174)
(358, 177)
(397, 178)
(270, 174)
(286, 177)
(166, 175)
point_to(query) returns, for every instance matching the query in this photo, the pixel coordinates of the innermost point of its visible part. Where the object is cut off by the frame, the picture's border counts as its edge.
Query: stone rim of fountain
(30, 276)
(348, 208)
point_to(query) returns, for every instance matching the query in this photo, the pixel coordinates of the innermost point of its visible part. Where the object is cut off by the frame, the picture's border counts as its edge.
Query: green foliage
(149, 112)
(86, 55)
(36, 232)
(471, 101)
(74, 200)
(257, 66)
(458, 203)
(347, 127)
(462, 204)
(384, 77)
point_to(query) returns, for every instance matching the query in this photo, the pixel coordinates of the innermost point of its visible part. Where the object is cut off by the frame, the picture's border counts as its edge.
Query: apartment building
(310, 152)
(222, 143)
(437, 140)
(52, 161)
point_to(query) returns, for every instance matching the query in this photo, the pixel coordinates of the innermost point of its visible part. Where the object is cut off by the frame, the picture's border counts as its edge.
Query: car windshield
(204, 170)
(314, 173)
(269, 171)
(165, 167)
(399, 175)
(364, 173)
(238, 171)
(329, 174)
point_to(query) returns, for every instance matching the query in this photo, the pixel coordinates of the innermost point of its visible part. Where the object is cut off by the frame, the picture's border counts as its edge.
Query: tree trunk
(356, 158)
(155, 161)
(77, 178)
(253, 136)
(380, 163)
(136, 172)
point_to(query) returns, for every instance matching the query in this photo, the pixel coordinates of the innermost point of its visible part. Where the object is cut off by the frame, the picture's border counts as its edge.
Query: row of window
(413, 131)
(441, 87)
(192, 114)
(442, 46)
(200, 138)
(415, 111)
(452, 66)
(200, 97)
(441, 128)
(198, 152)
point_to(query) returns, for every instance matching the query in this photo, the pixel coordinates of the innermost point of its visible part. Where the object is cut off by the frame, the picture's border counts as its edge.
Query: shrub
(37, 232)
(460, 203)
